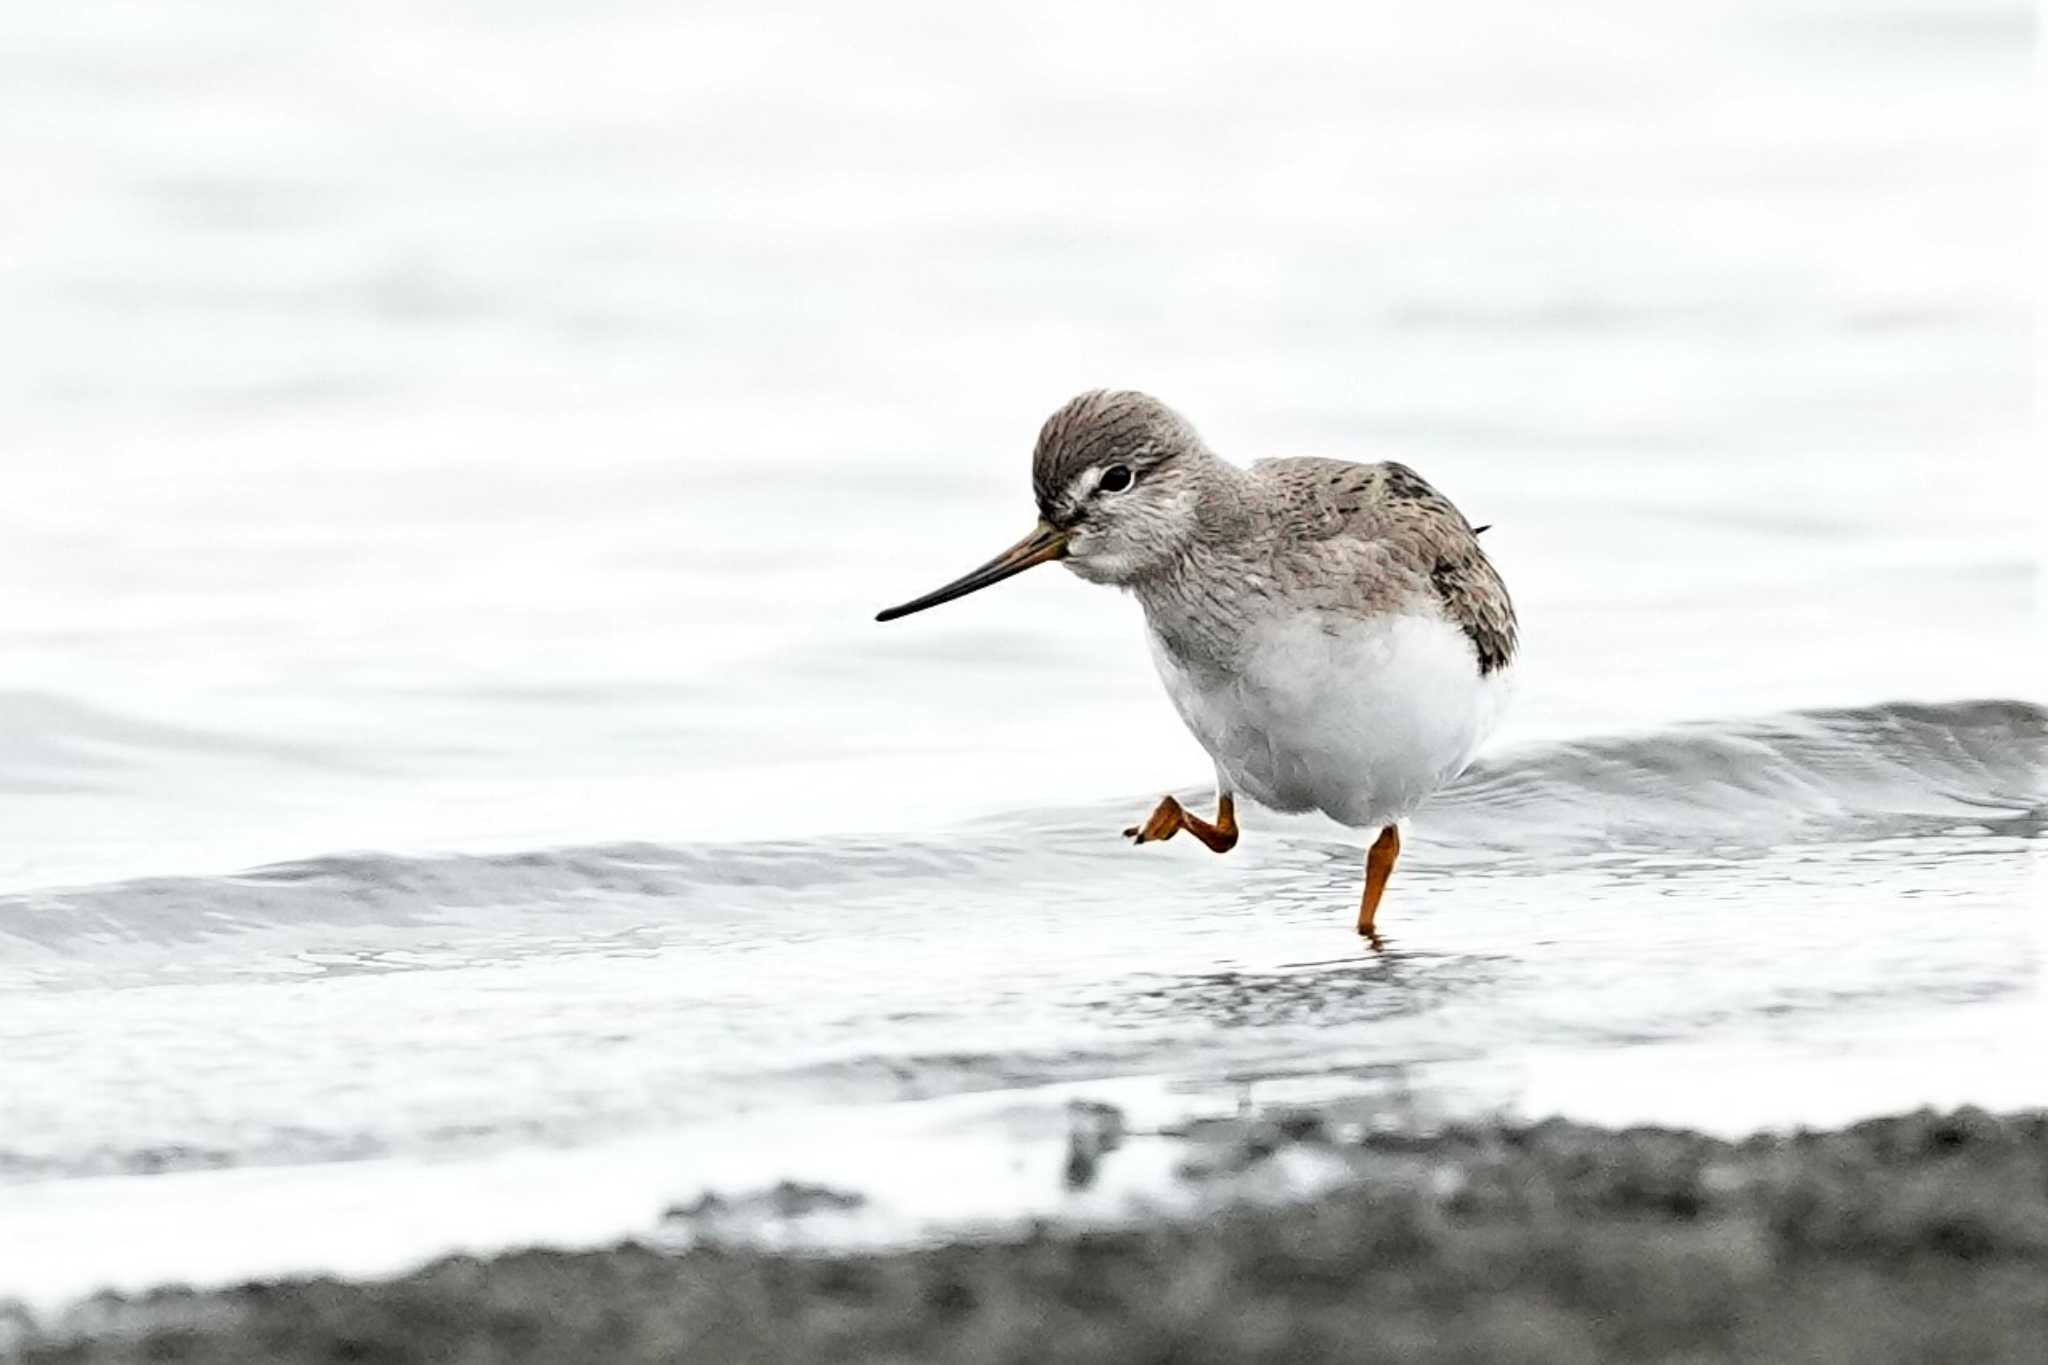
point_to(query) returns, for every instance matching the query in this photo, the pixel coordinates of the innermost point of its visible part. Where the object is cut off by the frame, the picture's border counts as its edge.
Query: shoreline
(1923, 1236)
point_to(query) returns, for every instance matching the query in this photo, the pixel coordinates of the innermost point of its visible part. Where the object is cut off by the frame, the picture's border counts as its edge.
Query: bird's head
(1117, 473)
(1117, 476)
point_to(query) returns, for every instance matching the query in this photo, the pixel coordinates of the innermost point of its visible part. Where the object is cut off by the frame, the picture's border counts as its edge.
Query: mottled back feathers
(1409, 537)
(1210, 548)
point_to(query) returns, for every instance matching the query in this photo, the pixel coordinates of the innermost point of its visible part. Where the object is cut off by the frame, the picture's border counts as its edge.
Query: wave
(1838, 773)
(1770, 778)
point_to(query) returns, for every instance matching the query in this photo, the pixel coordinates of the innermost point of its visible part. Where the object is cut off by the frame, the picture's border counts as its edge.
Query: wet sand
(1922, 1237)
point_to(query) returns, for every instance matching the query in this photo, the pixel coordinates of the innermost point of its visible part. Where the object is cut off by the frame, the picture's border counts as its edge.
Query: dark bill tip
(1046, 542)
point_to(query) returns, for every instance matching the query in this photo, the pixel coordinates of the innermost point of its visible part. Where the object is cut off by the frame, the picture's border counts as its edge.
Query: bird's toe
(1163, 823)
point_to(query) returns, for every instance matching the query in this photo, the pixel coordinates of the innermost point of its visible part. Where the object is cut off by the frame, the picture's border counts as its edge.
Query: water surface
(447, 764)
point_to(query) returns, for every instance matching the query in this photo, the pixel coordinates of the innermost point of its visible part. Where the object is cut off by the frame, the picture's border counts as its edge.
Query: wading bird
(1330, 632)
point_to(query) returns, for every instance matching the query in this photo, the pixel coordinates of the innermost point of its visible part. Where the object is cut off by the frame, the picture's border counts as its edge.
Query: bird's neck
(1191, 599)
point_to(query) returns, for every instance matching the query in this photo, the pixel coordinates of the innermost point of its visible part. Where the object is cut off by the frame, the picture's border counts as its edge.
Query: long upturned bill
(1046, 542)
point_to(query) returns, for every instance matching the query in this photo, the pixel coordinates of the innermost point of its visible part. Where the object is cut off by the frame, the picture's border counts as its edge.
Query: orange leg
(1379, 865)
(1169, 818)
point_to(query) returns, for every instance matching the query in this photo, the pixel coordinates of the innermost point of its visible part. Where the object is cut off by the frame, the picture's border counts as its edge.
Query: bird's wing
(1401, 536)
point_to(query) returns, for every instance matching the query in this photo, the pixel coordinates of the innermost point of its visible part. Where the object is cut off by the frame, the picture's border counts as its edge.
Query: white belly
(1362, 721)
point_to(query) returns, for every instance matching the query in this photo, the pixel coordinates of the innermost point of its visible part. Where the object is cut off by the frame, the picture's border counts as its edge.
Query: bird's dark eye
(1115, 479)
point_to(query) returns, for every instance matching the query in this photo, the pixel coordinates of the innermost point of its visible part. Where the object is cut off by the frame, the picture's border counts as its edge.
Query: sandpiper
(1330, 632)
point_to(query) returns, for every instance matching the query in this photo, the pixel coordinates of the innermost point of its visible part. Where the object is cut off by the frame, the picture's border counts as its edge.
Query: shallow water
(483, 444)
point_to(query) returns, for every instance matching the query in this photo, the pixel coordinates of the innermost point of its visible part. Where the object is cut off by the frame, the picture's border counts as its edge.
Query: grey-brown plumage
(1102, 427)
(1424, 536)
(1327, 533)
(1331, 633)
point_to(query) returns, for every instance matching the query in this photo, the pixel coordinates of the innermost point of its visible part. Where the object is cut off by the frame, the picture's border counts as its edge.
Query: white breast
(1361, 719)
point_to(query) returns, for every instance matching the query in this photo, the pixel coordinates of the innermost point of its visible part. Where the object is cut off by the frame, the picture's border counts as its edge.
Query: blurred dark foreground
(1921, 1238)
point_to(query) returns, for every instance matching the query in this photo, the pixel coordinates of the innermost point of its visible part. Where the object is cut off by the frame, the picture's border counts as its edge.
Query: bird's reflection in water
(1357, 989)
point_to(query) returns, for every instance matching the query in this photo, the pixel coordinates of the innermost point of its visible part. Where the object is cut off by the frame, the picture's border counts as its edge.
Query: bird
(1330, 632)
